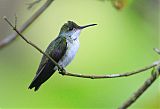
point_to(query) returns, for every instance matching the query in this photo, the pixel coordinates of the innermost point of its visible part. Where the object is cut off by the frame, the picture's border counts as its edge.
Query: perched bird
(62, 50)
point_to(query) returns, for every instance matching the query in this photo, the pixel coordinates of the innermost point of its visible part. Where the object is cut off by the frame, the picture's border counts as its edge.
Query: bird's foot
(62, 71)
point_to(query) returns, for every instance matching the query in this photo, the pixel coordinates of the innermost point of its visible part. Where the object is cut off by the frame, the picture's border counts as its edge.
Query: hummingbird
(62, 49)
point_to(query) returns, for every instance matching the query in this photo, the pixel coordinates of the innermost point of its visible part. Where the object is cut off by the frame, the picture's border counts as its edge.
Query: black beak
(82, 27)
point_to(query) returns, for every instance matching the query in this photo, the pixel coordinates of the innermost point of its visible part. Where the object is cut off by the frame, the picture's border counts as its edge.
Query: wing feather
(46, 67)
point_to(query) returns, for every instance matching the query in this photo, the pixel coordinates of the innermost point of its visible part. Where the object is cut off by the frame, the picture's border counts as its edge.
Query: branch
(142, 89)
(30, 5)
(63, 72)
(30, 43)
(10, 38)
(113, 75)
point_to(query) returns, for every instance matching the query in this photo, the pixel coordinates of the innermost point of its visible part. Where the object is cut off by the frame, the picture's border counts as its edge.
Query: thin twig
(141, 90)
(30, 5)
(63, 72)
(10, 38)
(29, 42)
(15, 21)
(112, 75)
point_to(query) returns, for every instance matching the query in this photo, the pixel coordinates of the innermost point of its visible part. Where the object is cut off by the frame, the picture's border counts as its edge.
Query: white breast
(72, 48)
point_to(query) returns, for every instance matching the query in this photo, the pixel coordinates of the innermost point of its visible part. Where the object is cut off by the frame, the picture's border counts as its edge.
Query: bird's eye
(70, 28)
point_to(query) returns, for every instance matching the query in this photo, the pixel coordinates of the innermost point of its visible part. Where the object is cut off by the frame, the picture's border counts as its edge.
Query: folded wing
(56, 50)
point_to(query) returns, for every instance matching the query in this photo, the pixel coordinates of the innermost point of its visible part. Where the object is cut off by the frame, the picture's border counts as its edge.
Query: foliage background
(122, 41)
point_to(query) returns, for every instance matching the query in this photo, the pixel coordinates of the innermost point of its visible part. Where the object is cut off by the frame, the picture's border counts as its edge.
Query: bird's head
(71, 29)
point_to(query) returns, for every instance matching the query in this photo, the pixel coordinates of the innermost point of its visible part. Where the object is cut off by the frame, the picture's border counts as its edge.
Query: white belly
(72, 49)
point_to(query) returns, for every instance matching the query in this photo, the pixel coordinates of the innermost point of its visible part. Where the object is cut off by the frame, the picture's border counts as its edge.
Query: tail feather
(34, 84)
(42, 76)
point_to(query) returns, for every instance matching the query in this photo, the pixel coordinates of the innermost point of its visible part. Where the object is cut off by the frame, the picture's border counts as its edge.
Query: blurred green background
(122, 41)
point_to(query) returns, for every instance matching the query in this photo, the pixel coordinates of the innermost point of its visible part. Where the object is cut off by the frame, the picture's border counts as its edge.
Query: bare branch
(30, 5)
(63, 72)
(113, 75)
(30, 43)
(141, 90)
(10, 38)
(15, 21)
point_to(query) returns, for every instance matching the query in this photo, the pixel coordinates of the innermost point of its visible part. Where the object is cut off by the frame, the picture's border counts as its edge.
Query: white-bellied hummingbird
(62, 49)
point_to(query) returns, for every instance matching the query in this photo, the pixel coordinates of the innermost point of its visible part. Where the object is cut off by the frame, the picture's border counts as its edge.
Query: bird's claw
(62, 71)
